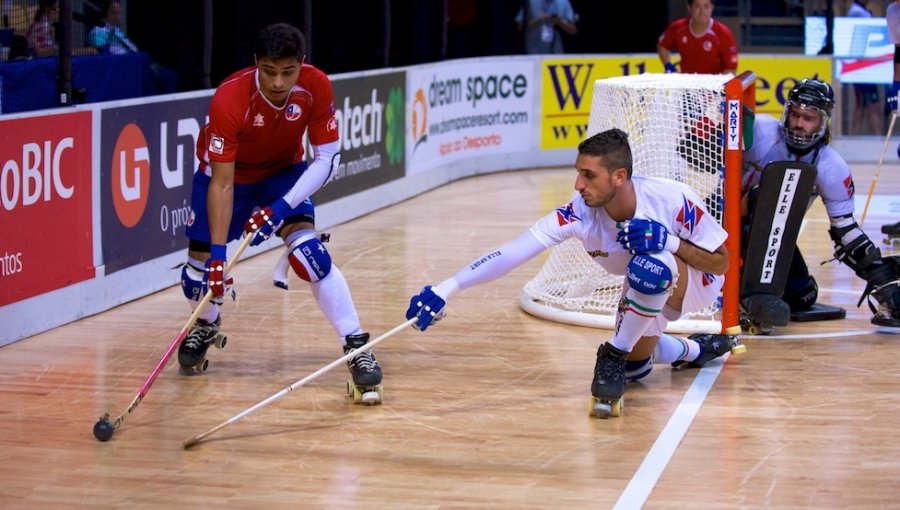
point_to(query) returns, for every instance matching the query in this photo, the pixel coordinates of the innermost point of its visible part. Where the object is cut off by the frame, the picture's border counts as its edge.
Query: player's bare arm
(709, 262)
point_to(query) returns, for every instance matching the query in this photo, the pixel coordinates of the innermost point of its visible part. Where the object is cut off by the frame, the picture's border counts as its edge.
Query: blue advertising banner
(147, 161)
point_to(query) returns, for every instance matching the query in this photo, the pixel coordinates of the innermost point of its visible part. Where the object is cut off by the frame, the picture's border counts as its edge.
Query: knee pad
(192, 282)
(800, 293)
(309, 258)
(652, 274)
(638, 369)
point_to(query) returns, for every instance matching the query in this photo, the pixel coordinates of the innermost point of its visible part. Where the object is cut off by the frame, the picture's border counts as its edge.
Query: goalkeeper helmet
(809, 95)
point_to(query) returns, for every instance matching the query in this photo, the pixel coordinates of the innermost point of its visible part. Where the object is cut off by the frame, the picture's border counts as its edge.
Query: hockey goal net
(681, 126)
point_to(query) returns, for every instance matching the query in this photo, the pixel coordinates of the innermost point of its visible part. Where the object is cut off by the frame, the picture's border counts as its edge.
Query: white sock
(638, 312)
(670, 349)
(333, 296)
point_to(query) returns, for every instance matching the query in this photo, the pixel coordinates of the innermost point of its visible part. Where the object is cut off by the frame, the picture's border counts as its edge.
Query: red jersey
(260, 138)
(710, 53)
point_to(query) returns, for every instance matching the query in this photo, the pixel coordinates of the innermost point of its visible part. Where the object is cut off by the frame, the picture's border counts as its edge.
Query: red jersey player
(706, 46)
(252, 166)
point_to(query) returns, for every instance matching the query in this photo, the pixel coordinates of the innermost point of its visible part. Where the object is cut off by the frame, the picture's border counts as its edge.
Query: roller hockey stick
(343, 359)
(862, 218)
(104, 429)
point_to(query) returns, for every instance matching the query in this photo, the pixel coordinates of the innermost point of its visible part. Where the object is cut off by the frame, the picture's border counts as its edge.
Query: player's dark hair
(611, 146)
(280, 40)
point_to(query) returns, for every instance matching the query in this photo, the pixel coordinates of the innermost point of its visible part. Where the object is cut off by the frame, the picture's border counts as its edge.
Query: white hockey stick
(352, 354)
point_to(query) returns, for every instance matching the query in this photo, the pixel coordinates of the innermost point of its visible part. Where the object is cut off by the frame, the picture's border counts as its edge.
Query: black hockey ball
(103, 430)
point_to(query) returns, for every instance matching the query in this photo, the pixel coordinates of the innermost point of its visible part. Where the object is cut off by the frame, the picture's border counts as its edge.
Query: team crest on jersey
(258, 120)
(216, 144)
(848, 183)
(566, 215)
(332, 124)
(689, 215)
(293, 112)
(708, 279)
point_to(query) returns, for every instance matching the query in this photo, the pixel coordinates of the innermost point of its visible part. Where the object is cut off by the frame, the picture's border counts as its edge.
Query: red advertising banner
(45, 204)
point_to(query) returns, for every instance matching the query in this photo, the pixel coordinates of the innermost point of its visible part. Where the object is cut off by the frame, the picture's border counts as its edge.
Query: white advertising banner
(465, 109)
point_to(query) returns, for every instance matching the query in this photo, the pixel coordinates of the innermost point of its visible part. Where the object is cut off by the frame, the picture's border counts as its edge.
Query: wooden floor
(487, 409)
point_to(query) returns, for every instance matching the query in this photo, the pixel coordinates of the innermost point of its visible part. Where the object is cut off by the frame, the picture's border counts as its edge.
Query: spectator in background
(542, 21)
(41, 34)
(706, 46)
(865, 94)
(461, 31)
(108, 37)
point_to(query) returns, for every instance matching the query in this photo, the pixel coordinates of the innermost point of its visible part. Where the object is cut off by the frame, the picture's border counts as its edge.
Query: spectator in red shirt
(706, 46)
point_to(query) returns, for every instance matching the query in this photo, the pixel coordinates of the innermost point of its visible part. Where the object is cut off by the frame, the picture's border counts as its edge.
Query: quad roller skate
(760, 313)
(365, 385)
(713, 346)
(893, 235)
(192, 351)
(609, 382)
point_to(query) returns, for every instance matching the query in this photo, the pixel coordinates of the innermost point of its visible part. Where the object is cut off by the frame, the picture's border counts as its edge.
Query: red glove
(214, 277)
(266, 221)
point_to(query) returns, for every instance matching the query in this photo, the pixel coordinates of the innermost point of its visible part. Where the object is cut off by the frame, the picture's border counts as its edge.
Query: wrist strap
(218, 252)
(673, 242)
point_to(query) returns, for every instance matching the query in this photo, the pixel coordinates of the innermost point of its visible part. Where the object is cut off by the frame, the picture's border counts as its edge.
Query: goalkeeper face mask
(803, 125)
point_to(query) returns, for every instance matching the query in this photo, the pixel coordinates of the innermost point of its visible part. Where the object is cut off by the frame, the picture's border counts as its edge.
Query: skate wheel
(606, 408)
(758, 329)
(353, 392)
(739, 349)
(220, 341)
(371, 396)
(196, 369)
(367, 396)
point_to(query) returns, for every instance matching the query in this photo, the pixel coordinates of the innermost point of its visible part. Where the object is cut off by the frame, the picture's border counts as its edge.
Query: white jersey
(834, 183)
(671, 203)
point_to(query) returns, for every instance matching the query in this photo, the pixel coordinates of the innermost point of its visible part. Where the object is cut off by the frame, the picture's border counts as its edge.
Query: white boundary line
(644, 480)
(647, 475)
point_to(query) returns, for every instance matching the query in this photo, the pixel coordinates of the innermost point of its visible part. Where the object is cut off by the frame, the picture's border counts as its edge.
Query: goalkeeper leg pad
(309, 258)
(784, 192)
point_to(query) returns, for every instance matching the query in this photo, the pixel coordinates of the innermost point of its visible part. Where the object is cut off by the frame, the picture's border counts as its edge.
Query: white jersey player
(655, 231)
(803, 135)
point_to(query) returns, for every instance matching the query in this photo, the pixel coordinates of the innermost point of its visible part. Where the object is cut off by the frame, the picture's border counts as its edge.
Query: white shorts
(703, 290)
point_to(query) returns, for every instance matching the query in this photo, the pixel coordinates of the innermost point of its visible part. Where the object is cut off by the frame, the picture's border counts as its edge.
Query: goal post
(686, 127)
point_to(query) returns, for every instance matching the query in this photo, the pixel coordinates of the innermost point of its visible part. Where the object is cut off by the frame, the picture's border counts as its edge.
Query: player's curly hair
(611, 146)
(280, 40)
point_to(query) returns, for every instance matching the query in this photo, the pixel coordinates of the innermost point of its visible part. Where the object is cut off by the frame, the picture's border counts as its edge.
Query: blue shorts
(248, 197)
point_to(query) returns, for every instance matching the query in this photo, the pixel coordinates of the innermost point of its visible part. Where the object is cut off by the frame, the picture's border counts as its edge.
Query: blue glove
(427, 306)
(670, 68)
(891, 99)
(640, 236)
(266, 221)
